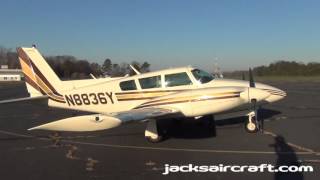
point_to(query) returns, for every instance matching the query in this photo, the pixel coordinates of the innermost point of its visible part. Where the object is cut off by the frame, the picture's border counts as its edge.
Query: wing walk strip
(36, 79)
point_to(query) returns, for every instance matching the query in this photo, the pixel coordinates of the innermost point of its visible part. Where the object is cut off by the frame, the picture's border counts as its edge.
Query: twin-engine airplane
(170, 93)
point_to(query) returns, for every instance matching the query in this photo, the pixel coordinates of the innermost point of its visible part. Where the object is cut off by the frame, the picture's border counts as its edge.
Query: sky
(235, 34)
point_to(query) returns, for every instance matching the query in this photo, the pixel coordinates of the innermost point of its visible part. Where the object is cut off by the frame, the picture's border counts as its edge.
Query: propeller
(251, 81)
(253, 102)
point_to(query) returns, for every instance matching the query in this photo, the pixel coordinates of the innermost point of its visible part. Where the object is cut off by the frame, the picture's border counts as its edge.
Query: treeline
(69, 67)
(288, 68)
(279, 68)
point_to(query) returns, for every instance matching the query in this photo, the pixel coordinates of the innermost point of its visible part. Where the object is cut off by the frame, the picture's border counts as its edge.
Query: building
(10, 74)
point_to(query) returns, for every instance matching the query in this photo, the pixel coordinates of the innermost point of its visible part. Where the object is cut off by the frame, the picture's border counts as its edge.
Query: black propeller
(253, 102)
(251, 81)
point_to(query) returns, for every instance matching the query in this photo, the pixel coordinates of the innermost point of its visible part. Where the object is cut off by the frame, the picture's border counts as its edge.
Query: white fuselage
(194, 99)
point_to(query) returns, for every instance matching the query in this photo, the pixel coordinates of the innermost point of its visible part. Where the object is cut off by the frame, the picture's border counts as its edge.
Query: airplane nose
(254, 93)
(276, 94)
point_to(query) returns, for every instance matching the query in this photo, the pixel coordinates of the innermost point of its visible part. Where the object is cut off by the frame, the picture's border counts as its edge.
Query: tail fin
(40, 78)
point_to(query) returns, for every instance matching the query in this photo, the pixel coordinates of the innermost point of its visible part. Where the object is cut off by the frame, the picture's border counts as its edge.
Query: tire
(154, 140)
(251, 127)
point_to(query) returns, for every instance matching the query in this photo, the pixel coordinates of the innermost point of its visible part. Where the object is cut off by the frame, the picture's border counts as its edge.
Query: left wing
(97, 122)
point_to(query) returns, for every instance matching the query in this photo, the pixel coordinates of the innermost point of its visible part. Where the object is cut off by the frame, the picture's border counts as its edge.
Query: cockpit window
(202, 76)
(178, 79)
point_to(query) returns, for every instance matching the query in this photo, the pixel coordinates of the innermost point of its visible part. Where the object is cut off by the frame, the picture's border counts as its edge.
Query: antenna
(92, 76)
(134, 69)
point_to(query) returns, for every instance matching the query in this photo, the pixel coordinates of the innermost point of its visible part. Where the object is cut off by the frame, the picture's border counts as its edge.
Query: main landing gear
(152, 133)
(252, 125)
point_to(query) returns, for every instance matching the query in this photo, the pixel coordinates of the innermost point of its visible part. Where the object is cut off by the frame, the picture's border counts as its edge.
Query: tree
(107, 66)
(96, 69)
(145, 67)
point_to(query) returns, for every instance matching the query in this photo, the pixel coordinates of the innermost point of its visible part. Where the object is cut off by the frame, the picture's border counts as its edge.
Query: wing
(97, 122)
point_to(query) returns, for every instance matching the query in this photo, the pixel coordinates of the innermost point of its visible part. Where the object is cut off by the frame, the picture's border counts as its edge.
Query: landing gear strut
(151, 132)
(252, 124)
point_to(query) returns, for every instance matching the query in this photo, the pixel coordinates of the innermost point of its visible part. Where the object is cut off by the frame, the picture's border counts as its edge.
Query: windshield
(202, 76)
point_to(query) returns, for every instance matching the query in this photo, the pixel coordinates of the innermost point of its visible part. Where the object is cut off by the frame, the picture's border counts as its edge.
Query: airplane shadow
(263, 115)
(173, 128)
(197, 129)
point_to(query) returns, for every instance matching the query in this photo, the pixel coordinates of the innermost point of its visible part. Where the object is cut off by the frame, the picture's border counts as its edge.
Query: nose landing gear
(252, 124)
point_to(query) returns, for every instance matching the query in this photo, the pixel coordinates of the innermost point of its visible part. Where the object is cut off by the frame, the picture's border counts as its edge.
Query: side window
(178, 79)
(150, 82)
(128, 85)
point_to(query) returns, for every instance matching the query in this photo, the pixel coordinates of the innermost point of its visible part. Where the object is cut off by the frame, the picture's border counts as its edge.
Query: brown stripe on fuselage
(190, 100)
(132, 99)
(142, 92)
(189, 97)
(142, 96)
(57, 100)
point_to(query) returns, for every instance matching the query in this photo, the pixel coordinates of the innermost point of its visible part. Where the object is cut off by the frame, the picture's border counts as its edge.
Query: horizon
(234, 35)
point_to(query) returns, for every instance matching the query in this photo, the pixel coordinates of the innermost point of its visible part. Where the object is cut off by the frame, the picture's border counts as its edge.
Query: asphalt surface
(291, 137)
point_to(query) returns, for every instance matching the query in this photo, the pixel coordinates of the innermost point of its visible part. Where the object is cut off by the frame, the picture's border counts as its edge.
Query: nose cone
(255, 93)
(276, 94)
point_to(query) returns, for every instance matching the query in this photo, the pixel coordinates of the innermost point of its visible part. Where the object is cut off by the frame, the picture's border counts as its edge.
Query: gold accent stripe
(184, 101)
(157, 94)
(147, 95)
(194, 96)
(144, 92)
(135, 99)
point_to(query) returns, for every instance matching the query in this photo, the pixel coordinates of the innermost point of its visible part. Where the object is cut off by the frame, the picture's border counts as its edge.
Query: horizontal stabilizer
(23, 99)
(93, 122)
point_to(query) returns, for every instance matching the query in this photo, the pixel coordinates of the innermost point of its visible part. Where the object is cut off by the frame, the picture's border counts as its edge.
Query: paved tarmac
(292, 131)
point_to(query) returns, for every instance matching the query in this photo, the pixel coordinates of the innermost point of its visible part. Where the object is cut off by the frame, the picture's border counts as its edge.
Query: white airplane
(170, 93)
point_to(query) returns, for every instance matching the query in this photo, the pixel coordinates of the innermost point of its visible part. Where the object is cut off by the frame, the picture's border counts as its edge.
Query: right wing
(97, 122)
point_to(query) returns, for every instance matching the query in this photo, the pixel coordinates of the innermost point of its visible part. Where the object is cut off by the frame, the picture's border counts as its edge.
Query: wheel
(154, 139)
(152, 134)
(251, 127)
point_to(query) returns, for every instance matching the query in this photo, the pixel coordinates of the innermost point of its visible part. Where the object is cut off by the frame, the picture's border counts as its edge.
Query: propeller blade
(243, 77)
(251, 81)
